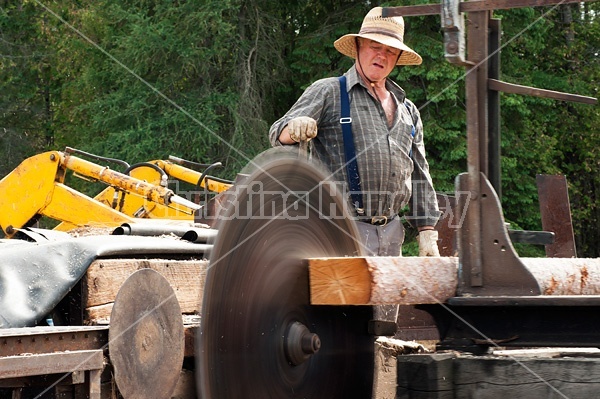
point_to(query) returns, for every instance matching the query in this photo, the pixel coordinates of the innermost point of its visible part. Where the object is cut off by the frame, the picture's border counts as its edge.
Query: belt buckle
(379, 220)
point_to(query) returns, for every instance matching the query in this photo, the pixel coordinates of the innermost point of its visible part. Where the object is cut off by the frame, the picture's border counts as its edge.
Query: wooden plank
(428, 375)
(523, 377)
(104, 278)
(512, 88)
(33, 332)
(386, 352)
(447, 375)
(382, 280)
(50, 363)
(95, 384)
(547, 352)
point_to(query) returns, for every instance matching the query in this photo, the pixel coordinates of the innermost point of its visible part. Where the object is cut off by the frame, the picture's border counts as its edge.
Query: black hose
(150, 165)
(70, 150)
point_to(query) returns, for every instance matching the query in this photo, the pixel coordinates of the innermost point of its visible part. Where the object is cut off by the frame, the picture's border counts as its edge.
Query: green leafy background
(203, 80)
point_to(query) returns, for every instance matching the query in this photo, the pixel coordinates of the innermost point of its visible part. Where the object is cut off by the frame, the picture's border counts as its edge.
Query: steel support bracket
(501, 271)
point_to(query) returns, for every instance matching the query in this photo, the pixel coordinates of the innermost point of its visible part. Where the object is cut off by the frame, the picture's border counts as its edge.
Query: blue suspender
(349, 151)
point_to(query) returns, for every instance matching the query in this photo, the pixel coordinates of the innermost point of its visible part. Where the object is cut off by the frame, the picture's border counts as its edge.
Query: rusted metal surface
(446, 225)
(555, 211)
(475, 323)
(146, 337)
(478, 50)
(476, 97)
(17, 341)
(415, 325)
(504, 272)
(494, 120)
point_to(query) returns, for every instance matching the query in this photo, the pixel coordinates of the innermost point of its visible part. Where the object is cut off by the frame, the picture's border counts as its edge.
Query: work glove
(302, 128)
(427, 240)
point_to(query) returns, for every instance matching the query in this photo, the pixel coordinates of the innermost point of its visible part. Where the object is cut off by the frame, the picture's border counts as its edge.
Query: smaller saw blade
(146, 339)
(260, 337)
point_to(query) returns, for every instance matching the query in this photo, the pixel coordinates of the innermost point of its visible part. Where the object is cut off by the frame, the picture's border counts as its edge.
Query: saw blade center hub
(300, 343)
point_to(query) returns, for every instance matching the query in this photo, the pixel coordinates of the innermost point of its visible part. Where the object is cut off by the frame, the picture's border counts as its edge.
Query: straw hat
(388, 31)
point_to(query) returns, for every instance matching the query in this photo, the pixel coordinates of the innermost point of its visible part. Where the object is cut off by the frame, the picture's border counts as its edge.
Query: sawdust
(90, 231)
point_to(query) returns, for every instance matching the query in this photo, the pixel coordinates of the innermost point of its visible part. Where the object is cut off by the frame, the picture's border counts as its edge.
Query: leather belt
(376, 220)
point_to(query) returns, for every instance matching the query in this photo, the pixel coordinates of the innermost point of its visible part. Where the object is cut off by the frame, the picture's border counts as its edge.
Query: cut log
(382, 280)
(428, 280)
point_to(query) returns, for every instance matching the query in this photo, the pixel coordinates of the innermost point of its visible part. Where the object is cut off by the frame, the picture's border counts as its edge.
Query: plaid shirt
(392, 165)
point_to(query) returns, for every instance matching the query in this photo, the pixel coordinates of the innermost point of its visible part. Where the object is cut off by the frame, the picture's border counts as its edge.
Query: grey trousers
(383, 241)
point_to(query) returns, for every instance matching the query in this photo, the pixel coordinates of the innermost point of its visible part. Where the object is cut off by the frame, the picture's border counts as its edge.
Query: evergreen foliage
(203, 80)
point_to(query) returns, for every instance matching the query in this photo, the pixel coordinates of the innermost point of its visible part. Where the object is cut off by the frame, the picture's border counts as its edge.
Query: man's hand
(427, 240)
(302, 128)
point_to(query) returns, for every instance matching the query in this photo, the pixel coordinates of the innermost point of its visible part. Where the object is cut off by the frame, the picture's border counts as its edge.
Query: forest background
(203, 80)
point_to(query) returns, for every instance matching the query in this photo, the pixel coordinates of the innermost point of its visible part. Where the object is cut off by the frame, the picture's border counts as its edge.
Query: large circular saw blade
(260, 337)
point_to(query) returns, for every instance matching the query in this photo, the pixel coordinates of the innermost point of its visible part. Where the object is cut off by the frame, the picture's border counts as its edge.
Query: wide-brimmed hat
(388, 31)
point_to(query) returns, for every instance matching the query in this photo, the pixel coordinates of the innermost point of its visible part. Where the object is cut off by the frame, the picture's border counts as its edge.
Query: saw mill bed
(73, 361)
(37, 356)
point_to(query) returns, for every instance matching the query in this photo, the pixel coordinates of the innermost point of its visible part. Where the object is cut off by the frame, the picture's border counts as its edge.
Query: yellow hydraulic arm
(36, 187)
(158, 172)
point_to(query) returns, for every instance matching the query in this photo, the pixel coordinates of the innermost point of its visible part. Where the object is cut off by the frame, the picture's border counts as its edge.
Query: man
(387, 137)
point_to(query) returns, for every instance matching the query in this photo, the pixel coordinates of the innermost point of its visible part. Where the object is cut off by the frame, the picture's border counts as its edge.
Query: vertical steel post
(476, 87)
(494, 148)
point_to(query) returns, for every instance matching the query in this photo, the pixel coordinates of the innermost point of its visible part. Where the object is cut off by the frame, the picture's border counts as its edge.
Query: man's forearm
(284, 137)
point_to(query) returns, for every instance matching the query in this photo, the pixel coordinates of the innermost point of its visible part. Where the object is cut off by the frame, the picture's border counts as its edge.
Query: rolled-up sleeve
(310, 103)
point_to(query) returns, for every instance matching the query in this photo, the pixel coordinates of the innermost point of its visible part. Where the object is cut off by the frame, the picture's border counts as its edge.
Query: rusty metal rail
(35, 340)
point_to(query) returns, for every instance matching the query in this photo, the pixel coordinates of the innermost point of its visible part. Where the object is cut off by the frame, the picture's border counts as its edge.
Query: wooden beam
(471, 6)
(512, 88)
(50, 363)
(459, 375)
(105, 276)
(382, 280)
